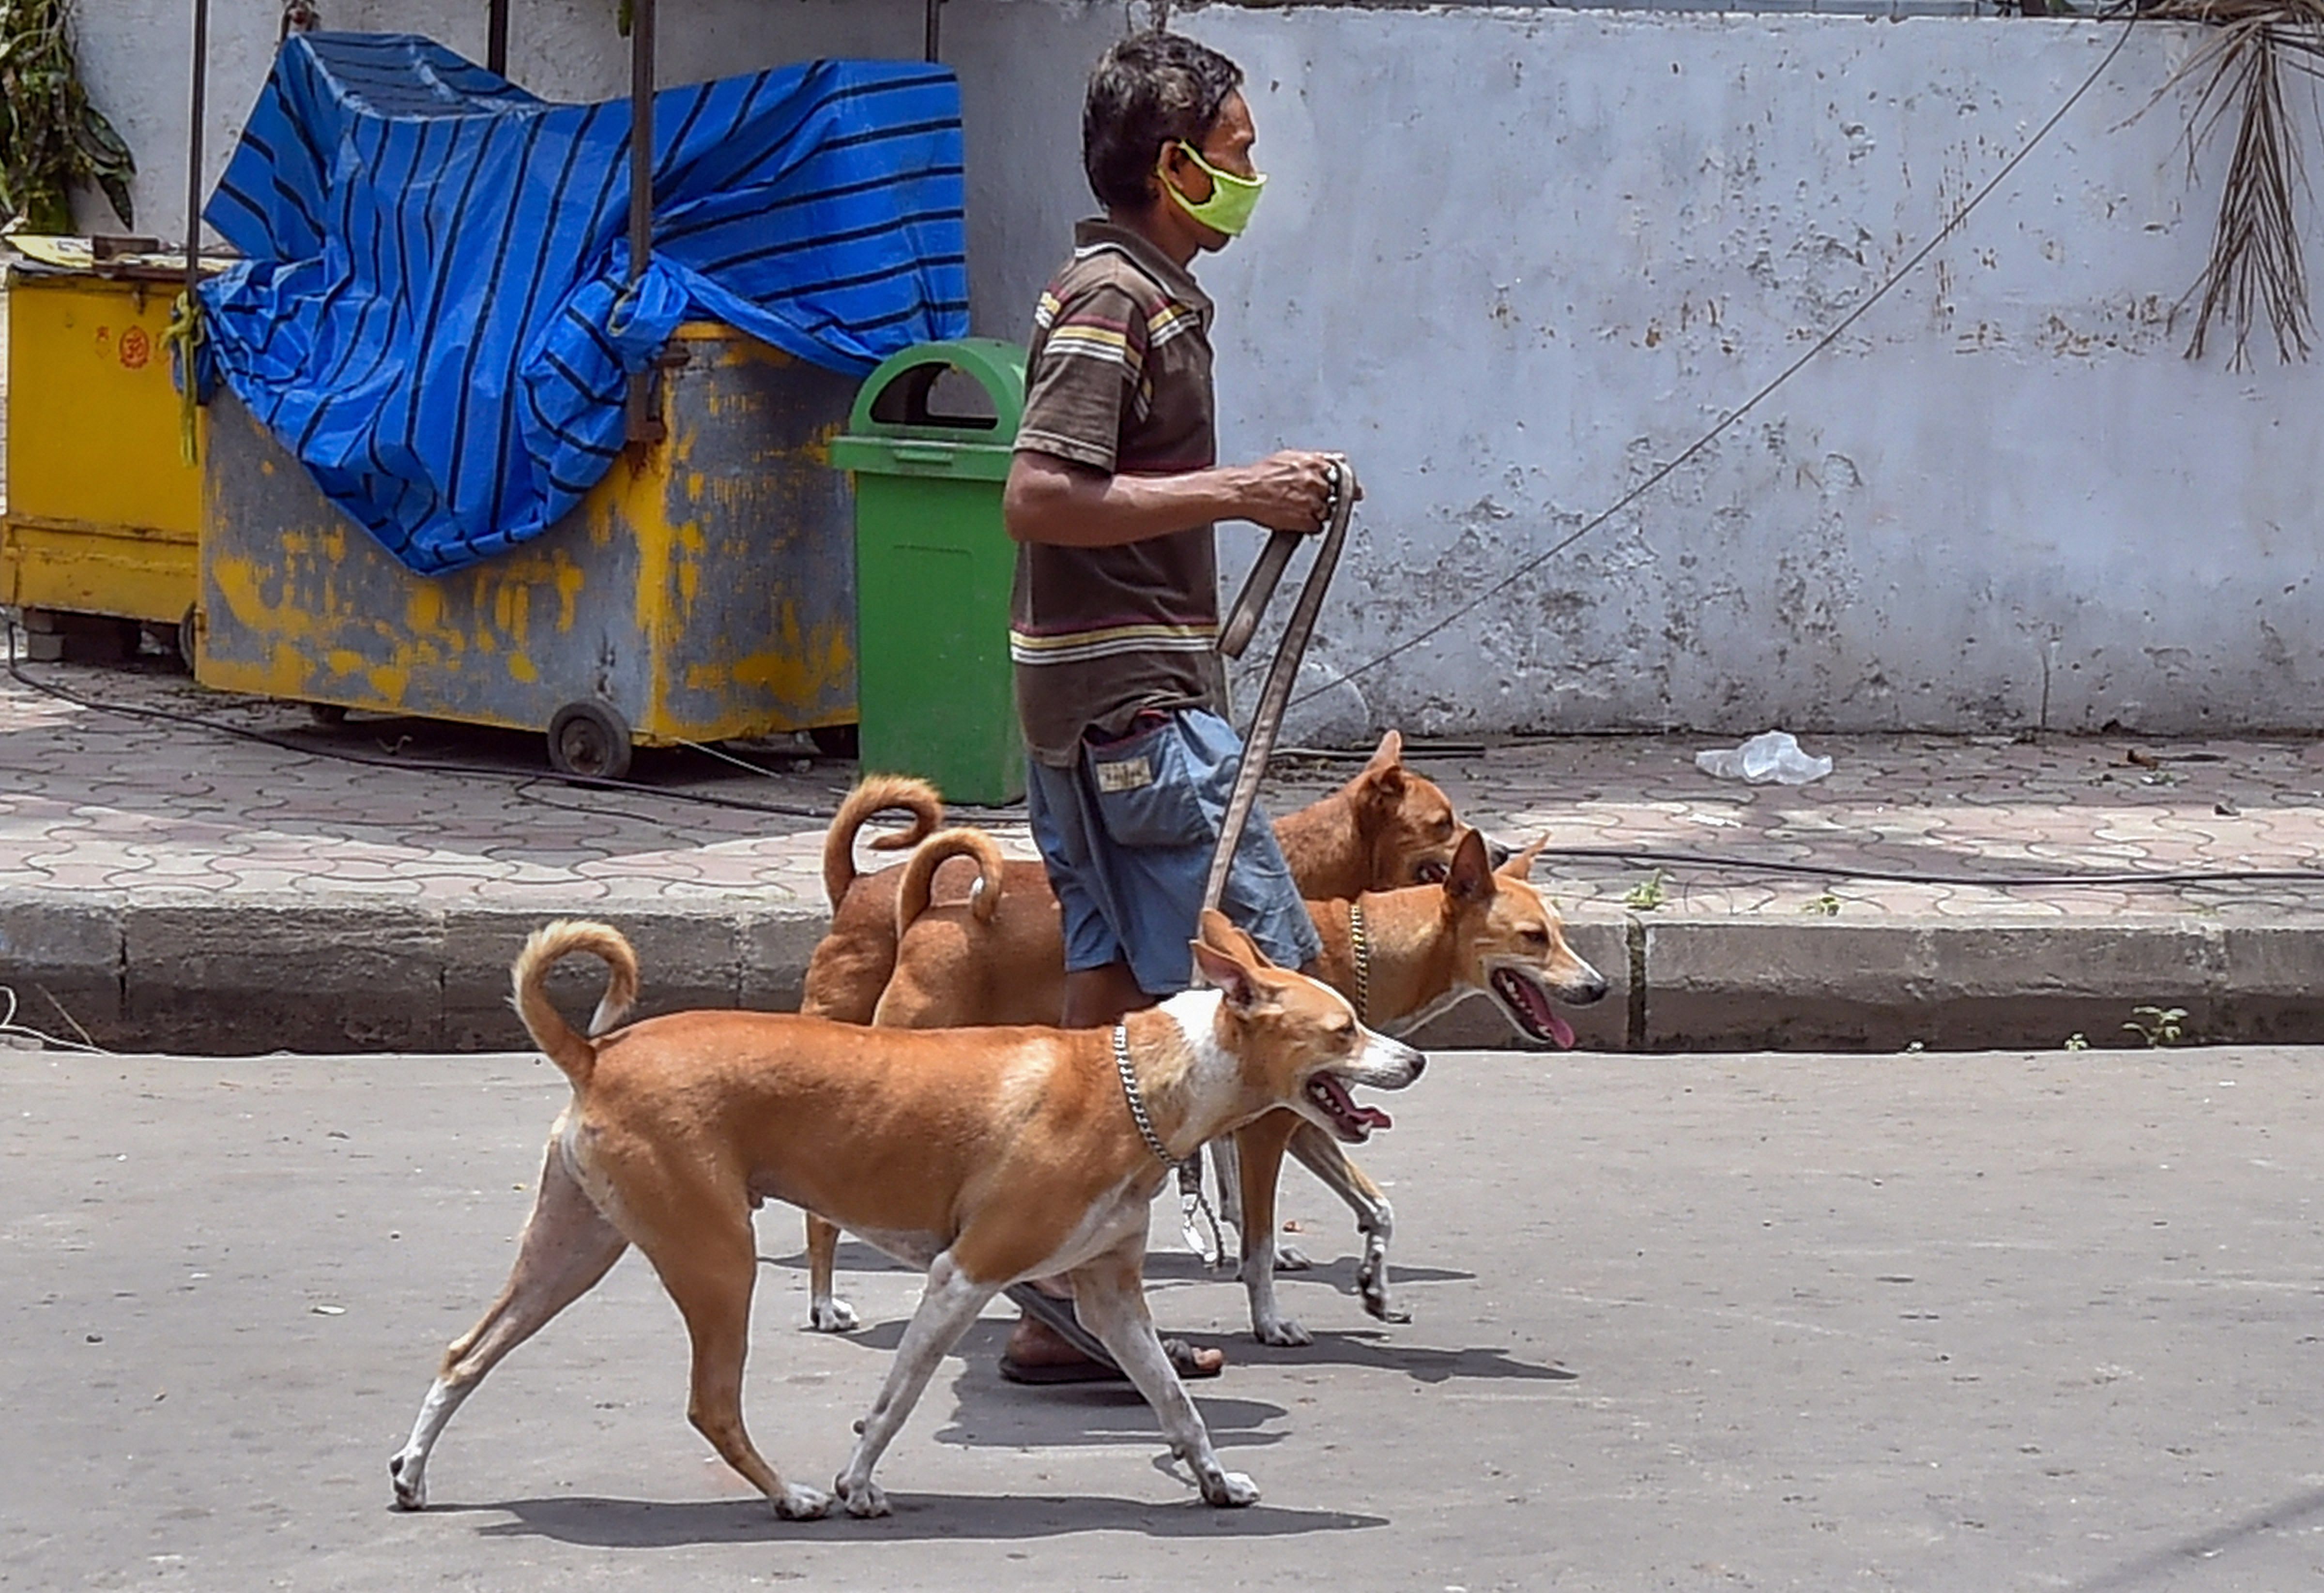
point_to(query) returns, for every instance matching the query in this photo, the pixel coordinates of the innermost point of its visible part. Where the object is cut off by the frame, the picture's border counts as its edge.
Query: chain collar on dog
(1137, 1101)
(1205, 1240)
(1361, 939)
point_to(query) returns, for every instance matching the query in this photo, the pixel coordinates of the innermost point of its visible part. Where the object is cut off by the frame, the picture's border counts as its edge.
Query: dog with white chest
(989, 1156)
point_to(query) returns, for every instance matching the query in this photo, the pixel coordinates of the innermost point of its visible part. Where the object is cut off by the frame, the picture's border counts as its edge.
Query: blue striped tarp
(433, 316)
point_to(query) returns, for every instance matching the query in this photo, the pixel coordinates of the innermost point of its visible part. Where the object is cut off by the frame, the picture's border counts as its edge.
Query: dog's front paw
(1371, 1287)
(1290, 1258)
(411, 1481)
(862, 1498)
(798, 1503)
(1229, 1490)
(831, 1316)
(1283, 1333)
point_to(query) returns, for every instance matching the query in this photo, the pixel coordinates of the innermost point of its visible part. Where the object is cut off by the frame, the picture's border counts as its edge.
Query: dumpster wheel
(591, 739)
(836, 740)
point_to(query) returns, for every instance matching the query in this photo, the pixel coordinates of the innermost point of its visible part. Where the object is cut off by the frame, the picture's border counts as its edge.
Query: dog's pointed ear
(1381, 781)
(1471, 879)
(1520, 867)
(1225, 934)
(1229, 959)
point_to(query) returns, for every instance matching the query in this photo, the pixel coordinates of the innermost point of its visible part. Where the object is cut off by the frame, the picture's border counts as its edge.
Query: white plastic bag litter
(1775, 756)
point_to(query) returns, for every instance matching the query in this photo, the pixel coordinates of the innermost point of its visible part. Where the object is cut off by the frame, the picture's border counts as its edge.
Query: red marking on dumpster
(136, 348)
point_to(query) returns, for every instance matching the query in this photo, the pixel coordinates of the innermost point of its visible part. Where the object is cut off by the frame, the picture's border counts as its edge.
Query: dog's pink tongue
(1561, 1031)
(1371, 1116)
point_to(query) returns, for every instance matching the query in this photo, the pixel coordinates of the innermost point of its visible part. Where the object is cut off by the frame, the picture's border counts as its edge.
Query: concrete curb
(198, 973)
(203, 974)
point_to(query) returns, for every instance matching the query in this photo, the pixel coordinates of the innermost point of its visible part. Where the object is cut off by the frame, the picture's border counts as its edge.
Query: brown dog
(1386, 827)
(988, 1156)
(1401, 956)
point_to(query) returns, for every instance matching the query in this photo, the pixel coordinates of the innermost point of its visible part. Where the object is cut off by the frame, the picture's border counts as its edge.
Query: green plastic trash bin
(932, 566)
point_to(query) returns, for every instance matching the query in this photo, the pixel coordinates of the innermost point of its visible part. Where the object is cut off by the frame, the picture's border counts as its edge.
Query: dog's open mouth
(1524, 1001)
(1352, 1122)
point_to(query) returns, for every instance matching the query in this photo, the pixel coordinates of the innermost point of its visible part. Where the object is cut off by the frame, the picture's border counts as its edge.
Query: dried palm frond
(2257, 268)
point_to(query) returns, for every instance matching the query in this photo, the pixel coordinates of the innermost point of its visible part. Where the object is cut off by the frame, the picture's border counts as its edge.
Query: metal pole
(934, 29)
(194, 153)
(496, 26)
(642, 425)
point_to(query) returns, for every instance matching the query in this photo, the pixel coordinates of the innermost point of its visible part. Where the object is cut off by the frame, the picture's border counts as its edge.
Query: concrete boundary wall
(1512, 260)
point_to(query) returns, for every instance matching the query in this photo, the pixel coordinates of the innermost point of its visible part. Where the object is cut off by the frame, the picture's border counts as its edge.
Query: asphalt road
(1929, 1321)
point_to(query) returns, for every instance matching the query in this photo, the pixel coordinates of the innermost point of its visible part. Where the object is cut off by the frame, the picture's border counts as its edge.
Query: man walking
(1112, 497)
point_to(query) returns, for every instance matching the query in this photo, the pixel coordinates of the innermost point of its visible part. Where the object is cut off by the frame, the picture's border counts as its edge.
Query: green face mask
(1232, 201)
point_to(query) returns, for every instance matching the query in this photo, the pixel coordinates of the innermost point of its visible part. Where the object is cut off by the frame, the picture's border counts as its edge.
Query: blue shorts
(1127, 835)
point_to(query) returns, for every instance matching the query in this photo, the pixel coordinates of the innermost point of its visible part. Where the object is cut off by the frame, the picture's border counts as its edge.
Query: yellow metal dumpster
(702, 591)
(103, 511)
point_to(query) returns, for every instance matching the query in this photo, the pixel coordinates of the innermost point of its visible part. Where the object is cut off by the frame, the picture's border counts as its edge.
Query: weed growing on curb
(2158, 1025)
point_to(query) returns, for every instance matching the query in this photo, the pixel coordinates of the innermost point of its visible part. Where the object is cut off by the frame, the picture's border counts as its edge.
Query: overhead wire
(1663, 471)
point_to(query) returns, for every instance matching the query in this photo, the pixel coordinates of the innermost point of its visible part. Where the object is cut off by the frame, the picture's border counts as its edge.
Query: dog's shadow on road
(641, 1524)
(1372, 1348)
(1176, 1267)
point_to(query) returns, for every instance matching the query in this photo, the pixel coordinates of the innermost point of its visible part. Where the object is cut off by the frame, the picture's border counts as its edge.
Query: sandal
(1096, 1367)
(1186, 1359)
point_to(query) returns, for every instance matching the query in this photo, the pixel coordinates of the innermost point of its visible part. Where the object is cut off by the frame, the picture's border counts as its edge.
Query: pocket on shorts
(1145, 789)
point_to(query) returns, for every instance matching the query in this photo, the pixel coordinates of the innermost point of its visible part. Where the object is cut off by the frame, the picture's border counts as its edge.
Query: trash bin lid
(893, 430)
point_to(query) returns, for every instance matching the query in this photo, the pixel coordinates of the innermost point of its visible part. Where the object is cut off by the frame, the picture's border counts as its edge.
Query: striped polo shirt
(1118, 380)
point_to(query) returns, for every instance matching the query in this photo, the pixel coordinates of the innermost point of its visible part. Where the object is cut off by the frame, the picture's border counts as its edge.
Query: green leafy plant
(2158, 1025)
(1826, 906)
(2078, 1042)
(51, 135)
(1647, 895)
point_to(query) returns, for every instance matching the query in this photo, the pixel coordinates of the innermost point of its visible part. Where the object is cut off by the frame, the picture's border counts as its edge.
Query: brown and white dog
(1401, 956)
(1386, 827)
(988, 1156)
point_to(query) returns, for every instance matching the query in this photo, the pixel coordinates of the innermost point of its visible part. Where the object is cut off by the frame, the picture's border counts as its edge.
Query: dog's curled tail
(875, 794)
(550, 944)
(920, 875)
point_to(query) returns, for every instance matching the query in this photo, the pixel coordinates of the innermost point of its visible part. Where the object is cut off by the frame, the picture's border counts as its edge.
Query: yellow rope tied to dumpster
(182, 339)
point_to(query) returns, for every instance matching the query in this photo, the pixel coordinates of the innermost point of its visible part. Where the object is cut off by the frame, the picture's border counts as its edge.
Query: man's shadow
(1174, 1265)
(1162, 1267)
(990, 1412)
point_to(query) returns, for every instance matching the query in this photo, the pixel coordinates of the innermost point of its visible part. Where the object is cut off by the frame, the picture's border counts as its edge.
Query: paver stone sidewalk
(166, 884)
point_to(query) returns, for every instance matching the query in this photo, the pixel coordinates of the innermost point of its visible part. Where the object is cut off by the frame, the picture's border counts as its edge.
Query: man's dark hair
(1150, 90)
